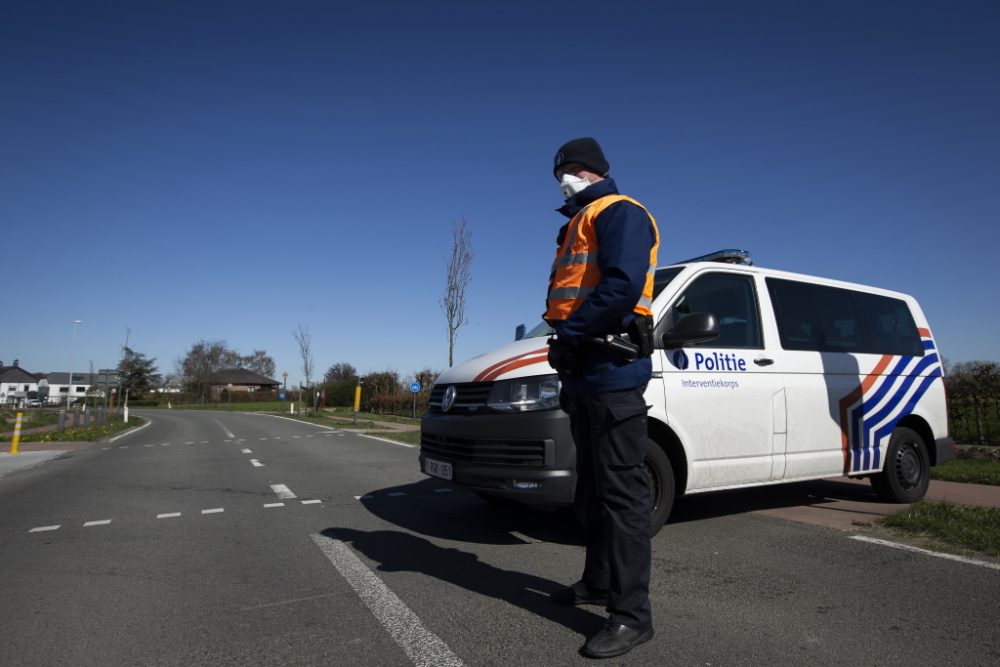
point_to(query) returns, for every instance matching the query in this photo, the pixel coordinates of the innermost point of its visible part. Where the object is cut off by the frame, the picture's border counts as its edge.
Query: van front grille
(469, 397)
(499, 452)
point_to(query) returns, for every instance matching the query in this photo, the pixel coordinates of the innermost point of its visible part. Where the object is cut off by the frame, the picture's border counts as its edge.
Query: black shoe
(580, 593)
(615, 639)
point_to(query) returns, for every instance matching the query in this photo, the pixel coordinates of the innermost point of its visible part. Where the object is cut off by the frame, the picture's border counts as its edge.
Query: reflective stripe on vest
(575, 273)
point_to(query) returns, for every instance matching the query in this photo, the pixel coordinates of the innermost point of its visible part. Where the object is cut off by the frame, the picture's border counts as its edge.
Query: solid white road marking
(274, 504)
(42, 529)
(926, 552)
(168, 515)
(423, 647)
(102, 522)
(311, 502)
(131, 430)
(391, 442)
(245, 451)
(256, 464)
(214, 510)
(229, 434)
(283, 491)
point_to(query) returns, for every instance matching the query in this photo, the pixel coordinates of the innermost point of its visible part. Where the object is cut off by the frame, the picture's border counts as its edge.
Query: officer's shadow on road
(398, 551)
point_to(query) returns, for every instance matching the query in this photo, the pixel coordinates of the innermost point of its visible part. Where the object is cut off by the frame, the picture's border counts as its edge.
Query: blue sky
(228, 171)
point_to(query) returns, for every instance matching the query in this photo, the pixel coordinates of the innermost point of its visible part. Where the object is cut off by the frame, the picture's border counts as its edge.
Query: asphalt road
(199, 540)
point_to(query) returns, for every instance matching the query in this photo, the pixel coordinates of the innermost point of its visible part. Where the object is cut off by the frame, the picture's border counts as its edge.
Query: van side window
(832, 319)
(732, 299)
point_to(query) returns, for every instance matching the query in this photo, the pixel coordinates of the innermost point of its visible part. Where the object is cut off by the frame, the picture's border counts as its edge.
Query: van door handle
(763, 361)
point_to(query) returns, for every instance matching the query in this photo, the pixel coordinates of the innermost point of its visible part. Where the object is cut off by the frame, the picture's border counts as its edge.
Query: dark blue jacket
(624, 237)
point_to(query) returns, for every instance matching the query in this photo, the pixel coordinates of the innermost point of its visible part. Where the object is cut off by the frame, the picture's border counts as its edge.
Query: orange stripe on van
(924, 333)
(482, 376)
(848, 401)
(514, 365)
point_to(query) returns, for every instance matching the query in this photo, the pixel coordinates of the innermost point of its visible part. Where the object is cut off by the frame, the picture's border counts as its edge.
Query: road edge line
(334, 428)
(133, 430)
(926, 552)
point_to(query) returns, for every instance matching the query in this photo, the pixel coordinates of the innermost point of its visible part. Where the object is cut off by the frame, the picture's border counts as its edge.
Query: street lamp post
(72, 355)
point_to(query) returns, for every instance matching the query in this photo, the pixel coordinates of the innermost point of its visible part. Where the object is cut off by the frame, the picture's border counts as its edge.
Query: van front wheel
(907, 470)
(660, 475)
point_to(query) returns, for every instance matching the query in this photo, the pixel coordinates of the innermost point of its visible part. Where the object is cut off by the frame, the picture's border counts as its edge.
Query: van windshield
(661, 280)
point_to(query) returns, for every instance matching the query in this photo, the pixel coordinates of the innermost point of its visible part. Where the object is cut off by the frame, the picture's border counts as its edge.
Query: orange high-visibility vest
(574, 271)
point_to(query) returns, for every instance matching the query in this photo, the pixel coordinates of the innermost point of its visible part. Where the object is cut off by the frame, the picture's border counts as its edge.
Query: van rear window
(833, 319)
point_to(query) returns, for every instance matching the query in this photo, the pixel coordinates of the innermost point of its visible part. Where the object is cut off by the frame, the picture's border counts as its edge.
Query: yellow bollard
(357, 402)
(17, 433)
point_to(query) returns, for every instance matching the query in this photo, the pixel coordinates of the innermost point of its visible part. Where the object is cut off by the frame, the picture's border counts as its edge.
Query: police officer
(600, 292)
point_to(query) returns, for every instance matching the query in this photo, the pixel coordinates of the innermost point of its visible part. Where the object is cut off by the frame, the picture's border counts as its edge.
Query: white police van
(759, 377)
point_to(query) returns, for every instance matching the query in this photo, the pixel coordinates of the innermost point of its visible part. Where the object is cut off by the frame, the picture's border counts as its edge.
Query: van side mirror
(520, 331)
(692, 328)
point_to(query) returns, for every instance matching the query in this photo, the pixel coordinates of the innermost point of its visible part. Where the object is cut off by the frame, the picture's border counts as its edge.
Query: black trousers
(609, 430)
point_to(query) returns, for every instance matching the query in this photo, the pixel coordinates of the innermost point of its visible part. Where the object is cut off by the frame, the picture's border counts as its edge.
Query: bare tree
(459, 275)
(302, 337)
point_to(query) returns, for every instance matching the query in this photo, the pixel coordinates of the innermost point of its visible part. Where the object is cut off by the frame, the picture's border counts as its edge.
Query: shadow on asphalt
(699, 507)
(463, 517)
(398, 551)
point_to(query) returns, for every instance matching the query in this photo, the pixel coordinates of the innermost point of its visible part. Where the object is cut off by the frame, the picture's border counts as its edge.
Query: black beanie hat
(585, 151)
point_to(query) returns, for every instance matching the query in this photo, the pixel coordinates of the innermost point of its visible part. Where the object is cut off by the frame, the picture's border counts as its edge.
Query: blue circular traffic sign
(415, 387)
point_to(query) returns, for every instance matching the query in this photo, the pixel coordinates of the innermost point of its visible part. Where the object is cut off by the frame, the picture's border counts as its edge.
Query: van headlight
(540, 392)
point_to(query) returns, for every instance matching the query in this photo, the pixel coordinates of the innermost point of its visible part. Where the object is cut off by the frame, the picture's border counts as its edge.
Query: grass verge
(84, 433)
(969, 471)
(976, 528)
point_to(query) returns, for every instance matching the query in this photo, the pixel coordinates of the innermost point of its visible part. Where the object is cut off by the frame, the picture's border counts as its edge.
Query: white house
(15, 384)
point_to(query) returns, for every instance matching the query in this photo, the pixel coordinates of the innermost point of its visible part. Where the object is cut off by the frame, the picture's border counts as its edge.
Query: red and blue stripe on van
(870, 412)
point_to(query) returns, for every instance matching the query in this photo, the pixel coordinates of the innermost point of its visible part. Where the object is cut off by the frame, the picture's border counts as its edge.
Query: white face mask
(571, 185)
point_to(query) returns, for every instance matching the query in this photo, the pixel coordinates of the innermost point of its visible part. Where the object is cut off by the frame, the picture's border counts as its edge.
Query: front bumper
(528, 457)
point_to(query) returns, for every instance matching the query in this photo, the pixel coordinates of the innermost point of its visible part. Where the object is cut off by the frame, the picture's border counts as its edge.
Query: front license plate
(437, 468)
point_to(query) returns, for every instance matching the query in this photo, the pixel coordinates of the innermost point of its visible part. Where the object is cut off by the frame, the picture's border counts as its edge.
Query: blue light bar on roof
(727, 256)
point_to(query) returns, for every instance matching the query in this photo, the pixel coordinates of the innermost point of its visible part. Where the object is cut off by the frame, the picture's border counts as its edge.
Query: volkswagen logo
(449, 398)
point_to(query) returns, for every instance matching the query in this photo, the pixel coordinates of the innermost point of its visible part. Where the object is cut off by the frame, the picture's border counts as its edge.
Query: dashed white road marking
(105, 448)
(275, 438)
(189, 442)
(926, 552)
(311, 502)
(204, 442)
(309, 436)
(149, 445)
(214, 510)
(256, 464)
(274, 505)
(296, 436)
(102, 522)
(42, 529)
(263, 438)
(123, 447)
(422, 646)
(164, 444)
(245, 451)
(168, 515)
(283, 491)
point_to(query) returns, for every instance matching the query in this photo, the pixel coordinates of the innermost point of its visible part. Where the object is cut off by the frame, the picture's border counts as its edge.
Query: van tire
(907, 471)
(660, 473)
